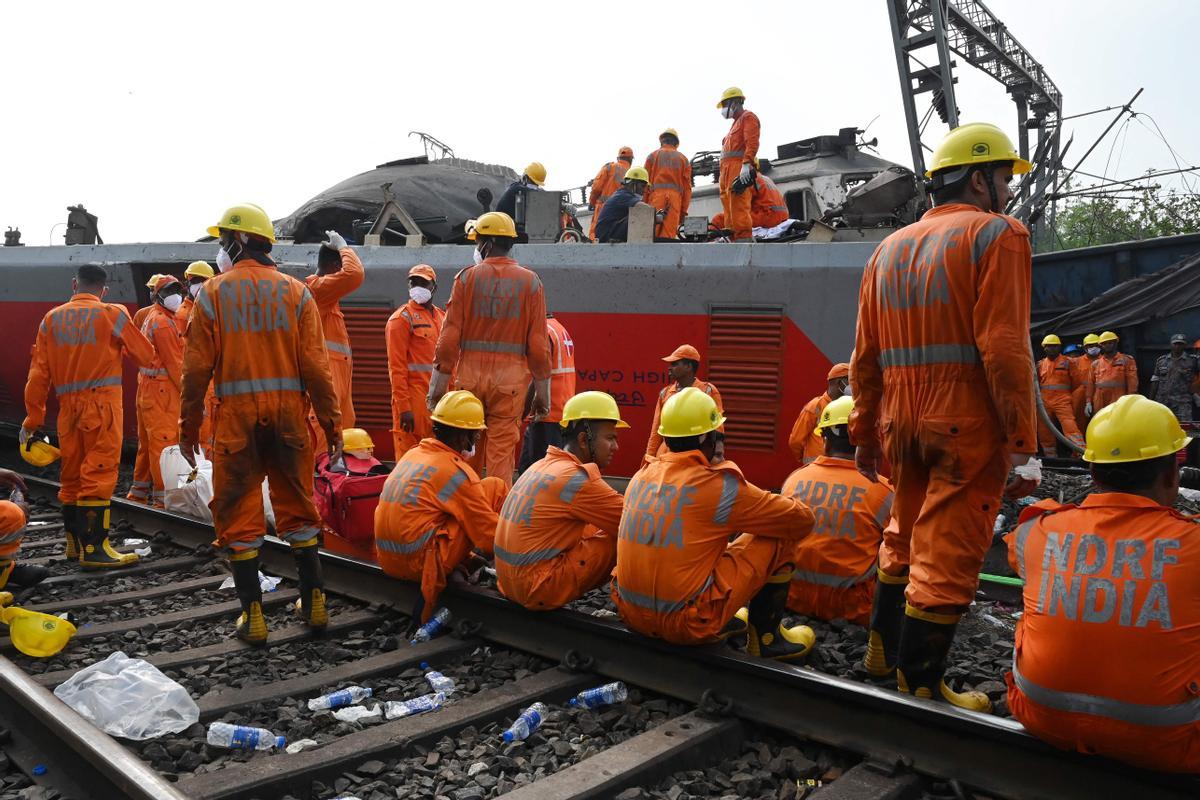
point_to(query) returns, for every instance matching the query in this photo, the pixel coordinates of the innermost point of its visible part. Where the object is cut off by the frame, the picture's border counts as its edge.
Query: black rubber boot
(924, 645)
(96, 551)
(23, 575)
(766, 636)
(70, 515)
(887, 617)
(311, 606)
(251, 625)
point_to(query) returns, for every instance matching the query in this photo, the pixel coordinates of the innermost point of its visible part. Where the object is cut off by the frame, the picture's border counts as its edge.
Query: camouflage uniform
(1174, 377)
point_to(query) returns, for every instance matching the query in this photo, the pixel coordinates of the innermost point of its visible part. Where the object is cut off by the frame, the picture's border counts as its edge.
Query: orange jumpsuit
(805, 440)
(1106, 652)
(493, 337)
(412, 332)
(158, 395)
(78, 353)
(655, 445)
(1113, 377)
(740, 146)
(767, 206)
(835, 566)
(607, 181)
(942, 372)
(139, 489)
(1056, 384)
(328, 291)
(432, 511)
(678, 577)
(12, 531)
(562, 368)
(1081, 389)
(557, 535)
(670, 188)
(183, 318)
(256, 335)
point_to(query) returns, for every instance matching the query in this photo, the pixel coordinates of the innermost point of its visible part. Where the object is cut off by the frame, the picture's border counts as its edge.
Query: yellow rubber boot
(766, 635)
(251, 625)
(883, 630)
(924, 645)
(311, 605)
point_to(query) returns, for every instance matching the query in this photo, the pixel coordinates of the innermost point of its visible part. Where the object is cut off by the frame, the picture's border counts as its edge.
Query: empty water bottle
(437, 681)
(394, 709)
(241, 737)
(16, 496)
(437, 623)
(604, 695)
(345, 697)
(529, 721)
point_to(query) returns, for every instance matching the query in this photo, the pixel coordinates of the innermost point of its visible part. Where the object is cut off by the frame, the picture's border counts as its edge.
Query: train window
(802, 204)
(745, 357)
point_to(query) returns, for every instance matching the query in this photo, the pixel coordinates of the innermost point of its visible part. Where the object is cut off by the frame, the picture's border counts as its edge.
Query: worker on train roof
(78, 353)
(805, 440)
(158, 389)
(678, 576)
(1107, 649)
(434, 508)
(684, 365)
(739, 155)
(606, 183)
(412, 333)
(670, 185)
(556, 538)
(612, 223)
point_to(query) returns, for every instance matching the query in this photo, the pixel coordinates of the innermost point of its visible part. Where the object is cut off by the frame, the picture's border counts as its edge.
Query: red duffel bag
(346, 494)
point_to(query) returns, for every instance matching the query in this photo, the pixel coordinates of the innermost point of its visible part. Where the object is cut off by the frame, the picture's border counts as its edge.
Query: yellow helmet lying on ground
(36, 634)
(836, 413)
(592, 405)
(357, 439)
(39, 452)
(247, 218)
(1134, 428)
(460, 409)
(690, 412)
(1051, 338)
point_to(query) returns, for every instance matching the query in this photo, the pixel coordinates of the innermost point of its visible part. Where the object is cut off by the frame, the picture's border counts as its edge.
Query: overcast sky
(157, 118)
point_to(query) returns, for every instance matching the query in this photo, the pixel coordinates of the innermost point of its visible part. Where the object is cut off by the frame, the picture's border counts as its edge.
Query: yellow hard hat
(469, 229)
(536, 173)
(1051, 338)
(154, 279)
(836, 413)
(1134, 428)
(976, 143)
(636, 174)
(39, 452)
(36, 634)
(1107, 336)
(495, 223)
(592, 405)
(460, 409)
(1091, 338)
(730, 94)
(356, 439)
(670, 131)
(690, 412)
(247, 218)
(198, 269)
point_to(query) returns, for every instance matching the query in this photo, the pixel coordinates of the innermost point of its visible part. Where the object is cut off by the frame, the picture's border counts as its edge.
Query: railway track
(699, 721)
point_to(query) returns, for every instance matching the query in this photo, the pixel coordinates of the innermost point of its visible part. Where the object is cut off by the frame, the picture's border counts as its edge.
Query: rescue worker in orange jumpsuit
(1081, 378)
(494, 336)
(1114, 375)
(256, 335)
(13, 516)
(942, 373)
(1106, 651)
(678, 576)
(541, 434)
(607, 180)
(685, 363)
(412, 334)
(670, 189)
(139, 488)
(434, 508)
(158, 392)
(767, 206)
(806, 442)
(195, 275)
(557, 535)
(739, 154)
(78, 353)
(339, 272)
(835, 565)
(1056, 384)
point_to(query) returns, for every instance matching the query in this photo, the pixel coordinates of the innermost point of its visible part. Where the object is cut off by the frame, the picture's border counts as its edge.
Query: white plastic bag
(130, 698)
(183, 492)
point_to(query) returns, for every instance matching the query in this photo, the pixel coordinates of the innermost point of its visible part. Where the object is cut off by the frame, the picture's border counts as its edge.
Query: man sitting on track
(1106, 651)
(678, 577)
(434, 508)
(13, 517)
(556, 538)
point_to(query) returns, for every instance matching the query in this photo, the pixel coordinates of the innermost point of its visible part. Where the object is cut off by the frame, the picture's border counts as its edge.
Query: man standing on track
(739, 154)
(540, 434)
(412, 334)
(195, 275)
(256, 334)
(943, 374)
(158, 393)
(139, 488)
(1055, 382)
(1114, 374)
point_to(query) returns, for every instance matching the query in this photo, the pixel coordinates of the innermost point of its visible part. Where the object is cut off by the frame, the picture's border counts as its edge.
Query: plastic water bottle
(430, 629)
(437, 681)
(394, 709)
(345, 697)
(241, 737)
(16, 496)
(604, 695)
(529, 721)
(998, 528)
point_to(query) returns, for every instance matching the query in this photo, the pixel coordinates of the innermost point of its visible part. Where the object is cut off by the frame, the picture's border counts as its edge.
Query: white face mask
(194, 290)
(1093, 351)
(420, 294)
(846, 392)
(363, 454)
(727, 111)
(477, 256)
(469, 454)
(173, 302)
(223, 260)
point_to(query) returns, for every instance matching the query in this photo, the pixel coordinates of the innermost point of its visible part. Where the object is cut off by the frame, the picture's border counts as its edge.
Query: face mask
(727, 111)
(846, 392)
(363, 454)
(194, 290)
(173, 302)
(469, 454)
(477, 256)
(420, 294)
(1093, 351)
(224, 262)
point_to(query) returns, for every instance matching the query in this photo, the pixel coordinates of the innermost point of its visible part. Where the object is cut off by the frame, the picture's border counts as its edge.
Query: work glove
(25, 435)
(1027, 475)
(1087, 408)
(437, 387)
(541, 399)
(745, 179)
(336, 242)
(407, 421)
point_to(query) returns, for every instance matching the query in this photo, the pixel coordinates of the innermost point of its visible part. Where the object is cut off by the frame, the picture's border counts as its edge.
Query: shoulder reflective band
(729, 493)
(925, 355)
(119, 325)
(988, 234)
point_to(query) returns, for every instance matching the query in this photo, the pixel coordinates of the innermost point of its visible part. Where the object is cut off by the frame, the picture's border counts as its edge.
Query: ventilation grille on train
(745, 359)
(371, 387)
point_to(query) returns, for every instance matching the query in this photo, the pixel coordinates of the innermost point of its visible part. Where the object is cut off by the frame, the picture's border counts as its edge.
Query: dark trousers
(538, 437)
